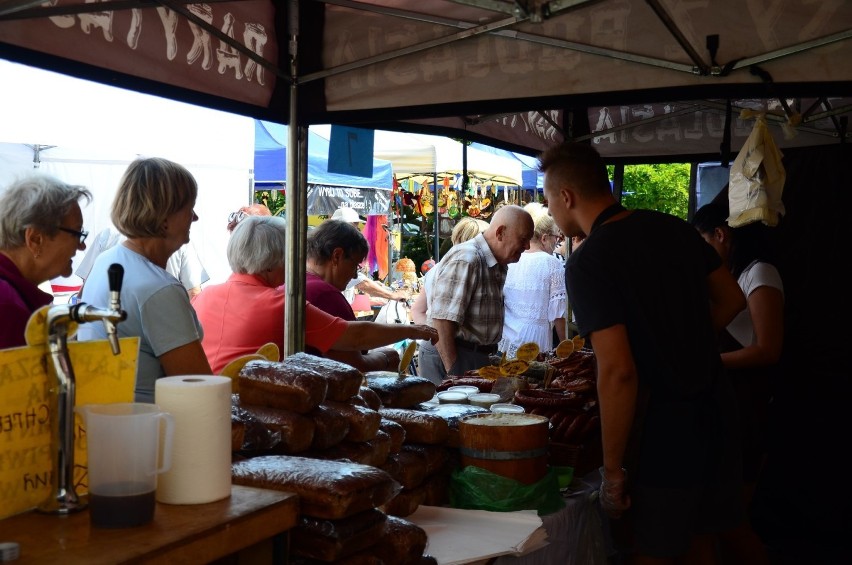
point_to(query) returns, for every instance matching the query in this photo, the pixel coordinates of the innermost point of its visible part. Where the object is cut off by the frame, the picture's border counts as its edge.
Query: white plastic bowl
(467, 389)
(502, 408)
(483, 399)
(452, 397)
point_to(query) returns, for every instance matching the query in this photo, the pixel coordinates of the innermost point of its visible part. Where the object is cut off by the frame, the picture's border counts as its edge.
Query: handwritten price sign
(25, 412)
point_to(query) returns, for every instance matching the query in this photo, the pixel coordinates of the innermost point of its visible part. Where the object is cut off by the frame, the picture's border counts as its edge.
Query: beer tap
(62, 394)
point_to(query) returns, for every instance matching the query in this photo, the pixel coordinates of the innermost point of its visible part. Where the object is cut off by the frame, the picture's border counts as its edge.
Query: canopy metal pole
(437, 216)
(297, 155)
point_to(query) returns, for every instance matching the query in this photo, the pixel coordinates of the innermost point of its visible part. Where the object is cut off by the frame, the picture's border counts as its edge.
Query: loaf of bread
(257, 437)
(344, 380)
(420, 427)
(432, 457)
(433, 491)
(397, 391)
(370, 397)
(326, 489)
(405, 503)
(452, 413)
(436, 489)
(331, 427)
(363, 422)
(238, 434)
(330, 540)
(406, 468)
(381, 448)
(396, 433)
(361, 453)
(404, 542)
(292, 432)
(287, 384)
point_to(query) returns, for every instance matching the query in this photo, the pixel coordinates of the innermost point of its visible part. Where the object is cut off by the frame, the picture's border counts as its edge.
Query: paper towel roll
(201, 449)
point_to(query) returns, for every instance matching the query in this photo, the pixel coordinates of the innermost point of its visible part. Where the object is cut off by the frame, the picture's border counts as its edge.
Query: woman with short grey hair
(259, 249)
(153, 208)
(246, 312)
(41, 229)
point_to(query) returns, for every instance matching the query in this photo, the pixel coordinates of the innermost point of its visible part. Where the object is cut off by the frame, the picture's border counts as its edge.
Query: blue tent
(270, 161)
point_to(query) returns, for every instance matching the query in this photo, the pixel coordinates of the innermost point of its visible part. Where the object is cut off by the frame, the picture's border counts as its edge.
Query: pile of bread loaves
(362, 452)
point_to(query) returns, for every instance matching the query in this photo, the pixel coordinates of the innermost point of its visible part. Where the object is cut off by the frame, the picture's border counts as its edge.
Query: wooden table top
(194, 533)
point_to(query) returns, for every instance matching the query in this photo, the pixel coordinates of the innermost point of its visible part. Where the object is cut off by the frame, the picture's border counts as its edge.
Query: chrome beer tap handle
(62, 392)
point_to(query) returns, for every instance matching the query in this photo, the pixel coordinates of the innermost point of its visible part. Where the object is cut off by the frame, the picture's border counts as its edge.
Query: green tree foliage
(663, 187)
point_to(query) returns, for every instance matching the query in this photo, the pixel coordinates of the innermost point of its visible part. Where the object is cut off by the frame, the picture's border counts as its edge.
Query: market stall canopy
(639, 78)
(422, 157)
(270, 160)
(326, 191)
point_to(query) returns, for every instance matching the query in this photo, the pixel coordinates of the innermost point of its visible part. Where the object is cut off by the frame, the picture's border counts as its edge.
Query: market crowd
(685, 321)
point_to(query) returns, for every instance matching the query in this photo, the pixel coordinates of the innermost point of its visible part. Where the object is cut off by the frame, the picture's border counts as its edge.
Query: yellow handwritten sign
(25, 449)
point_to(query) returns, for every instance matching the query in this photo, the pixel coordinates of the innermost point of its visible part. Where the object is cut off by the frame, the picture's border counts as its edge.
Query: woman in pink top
(247, 311)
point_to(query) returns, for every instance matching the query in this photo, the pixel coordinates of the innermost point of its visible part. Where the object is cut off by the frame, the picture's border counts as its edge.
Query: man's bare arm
(446, 345)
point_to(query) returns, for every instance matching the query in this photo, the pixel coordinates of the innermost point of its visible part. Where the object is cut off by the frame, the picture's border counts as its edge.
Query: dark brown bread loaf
(373, 452)
(406, 468)
(363, 422)
(287, 384)
(403, 542)
(343, 380)
(293, 432)
(420, 427)
(331, 427)
(330, 540)
(405, 503)
(452, 413)
(397, 391)
(396, 433)
(433, 457)
(370, 397)
(326, 489)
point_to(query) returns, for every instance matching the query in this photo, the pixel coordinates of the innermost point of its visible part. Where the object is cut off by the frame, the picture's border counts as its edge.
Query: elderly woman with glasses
(153, 209)
(41, 229)
(247, 311)
(535, 290)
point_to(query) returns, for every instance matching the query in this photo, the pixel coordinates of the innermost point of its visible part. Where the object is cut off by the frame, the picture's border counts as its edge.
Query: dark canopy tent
(642, 80)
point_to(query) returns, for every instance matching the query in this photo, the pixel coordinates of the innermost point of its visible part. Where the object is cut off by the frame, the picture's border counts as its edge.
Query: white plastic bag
(757, 178)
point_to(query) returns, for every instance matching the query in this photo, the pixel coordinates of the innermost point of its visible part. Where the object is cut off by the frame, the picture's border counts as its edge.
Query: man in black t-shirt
(651, 295)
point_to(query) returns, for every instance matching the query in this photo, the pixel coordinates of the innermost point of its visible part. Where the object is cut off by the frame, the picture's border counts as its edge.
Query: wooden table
(197, 533)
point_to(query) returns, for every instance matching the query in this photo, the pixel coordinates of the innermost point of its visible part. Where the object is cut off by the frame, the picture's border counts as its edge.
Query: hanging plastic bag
(479, 489)
(757, 178)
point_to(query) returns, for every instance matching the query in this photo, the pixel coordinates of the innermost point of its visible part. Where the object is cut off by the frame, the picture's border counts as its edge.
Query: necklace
(606, 214)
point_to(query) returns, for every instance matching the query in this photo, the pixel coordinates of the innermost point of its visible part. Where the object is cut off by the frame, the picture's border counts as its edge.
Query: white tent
(108, 128)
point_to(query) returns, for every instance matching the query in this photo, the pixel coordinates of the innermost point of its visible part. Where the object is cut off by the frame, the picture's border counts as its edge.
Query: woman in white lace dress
(535, 290)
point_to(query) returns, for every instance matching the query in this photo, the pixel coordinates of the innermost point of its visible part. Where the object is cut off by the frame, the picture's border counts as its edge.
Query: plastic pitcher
(124, 459)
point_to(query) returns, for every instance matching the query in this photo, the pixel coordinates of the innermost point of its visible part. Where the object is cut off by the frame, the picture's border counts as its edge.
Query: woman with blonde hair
(534, 291)
(153, 209)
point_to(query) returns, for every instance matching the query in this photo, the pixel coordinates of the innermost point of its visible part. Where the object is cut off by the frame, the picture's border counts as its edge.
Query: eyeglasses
(557, 236)
(236, 216)
(81, 234)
